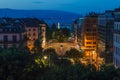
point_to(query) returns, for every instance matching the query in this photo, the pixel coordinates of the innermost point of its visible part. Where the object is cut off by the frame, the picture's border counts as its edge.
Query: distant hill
(50, 16)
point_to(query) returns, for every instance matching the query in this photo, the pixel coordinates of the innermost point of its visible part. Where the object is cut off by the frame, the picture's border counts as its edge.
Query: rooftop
(12, 29)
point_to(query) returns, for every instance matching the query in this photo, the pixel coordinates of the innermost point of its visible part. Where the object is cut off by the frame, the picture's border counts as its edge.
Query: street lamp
(48, 59)
(45, 57)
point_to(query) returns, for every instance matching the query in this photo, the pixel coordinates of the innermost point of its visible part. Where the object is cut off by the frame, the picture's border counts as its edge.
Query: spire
(58, 25)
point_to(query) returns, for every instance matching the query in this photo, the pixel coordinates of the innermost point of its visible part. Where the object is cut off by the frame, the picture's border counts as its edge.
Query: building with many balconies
(90, 35)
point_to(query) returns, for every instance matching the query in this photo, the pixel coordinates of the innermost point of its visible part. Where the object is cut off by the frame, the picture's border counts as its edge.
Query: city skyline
(76, 6)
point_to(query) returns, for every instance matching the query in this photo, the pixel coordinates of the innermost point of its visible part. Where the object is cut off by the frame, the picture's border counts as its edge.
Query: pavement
(61, 48)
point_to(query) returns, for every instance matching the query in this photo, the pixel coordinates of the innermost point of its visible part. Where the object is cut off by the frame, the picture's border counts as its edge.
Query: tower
(58, 25)
(43, 30)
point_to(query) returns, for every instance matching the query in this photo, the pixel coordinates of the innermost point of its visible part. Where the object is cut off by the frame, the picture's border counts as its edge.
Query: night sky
(76, 6)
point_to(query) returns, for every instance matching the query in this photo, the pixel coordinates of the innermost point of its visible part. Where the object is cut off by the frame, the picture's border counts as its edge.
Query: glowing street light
(45, 57)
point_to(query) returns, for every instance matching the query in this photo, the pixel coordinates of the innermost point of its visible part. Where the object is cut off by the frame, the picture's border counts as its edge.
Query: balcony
(10, 42)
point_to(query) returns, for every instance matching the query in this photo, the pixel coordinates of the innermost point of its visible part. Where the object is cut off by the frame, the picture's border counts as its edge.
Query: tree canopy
(16, 64)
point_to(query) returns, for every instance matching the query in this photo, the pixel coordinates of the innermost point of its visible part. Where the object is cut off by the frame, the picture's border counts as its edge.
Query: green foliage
(60, 35)
(11, 62)
(108, 56)
(66, 32)
(37, 46)
(18, 64)
(50, 55)
(50, 33)
(74, 55)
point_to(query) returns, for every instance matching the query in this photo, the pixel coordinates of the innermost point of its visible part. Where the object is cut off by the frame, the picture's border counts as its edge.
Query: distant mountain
(51, 16)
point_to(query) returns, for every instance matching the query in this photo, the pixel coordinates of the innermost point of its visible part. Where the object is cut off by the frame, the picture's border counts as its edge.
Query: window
(89, 47)
(94, 34)
(34, 39)
(5, 38)
(42, 30)
(94, 42)
(89, 38)
(34, 34)
(14, 38)
(29, 29)
(34, 29)
(29, 38)
(29, 34)
(89, 42)
(88, 29)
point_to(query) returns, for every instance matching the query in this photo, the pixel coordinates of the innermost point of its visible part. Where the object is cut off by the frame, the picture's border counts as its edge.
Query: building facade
(77, 31)
(116, 56)
(105, 31)
(32, 35)
(34, 29)
(116, 53)
(11, 35)
(22, 30)
(43, 34)
(90, 36)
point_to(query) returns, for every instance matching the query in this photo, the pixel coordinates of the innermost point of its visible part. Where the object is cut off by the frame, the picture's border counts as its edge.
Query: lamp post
(47, 58)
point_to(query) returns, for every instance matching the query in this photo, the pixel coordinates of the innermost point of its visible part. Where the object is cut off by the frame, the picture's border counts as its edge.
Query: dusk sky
(77, 6)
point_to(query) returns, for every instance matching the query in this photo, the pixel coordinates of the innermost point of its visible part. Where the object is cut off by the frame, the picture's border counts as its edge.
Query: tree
(66, 32)
(108, 56)
(53, 27)
(50, 32)
(37, 46)
(74, 54)
(12, 63)
(51, 55)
